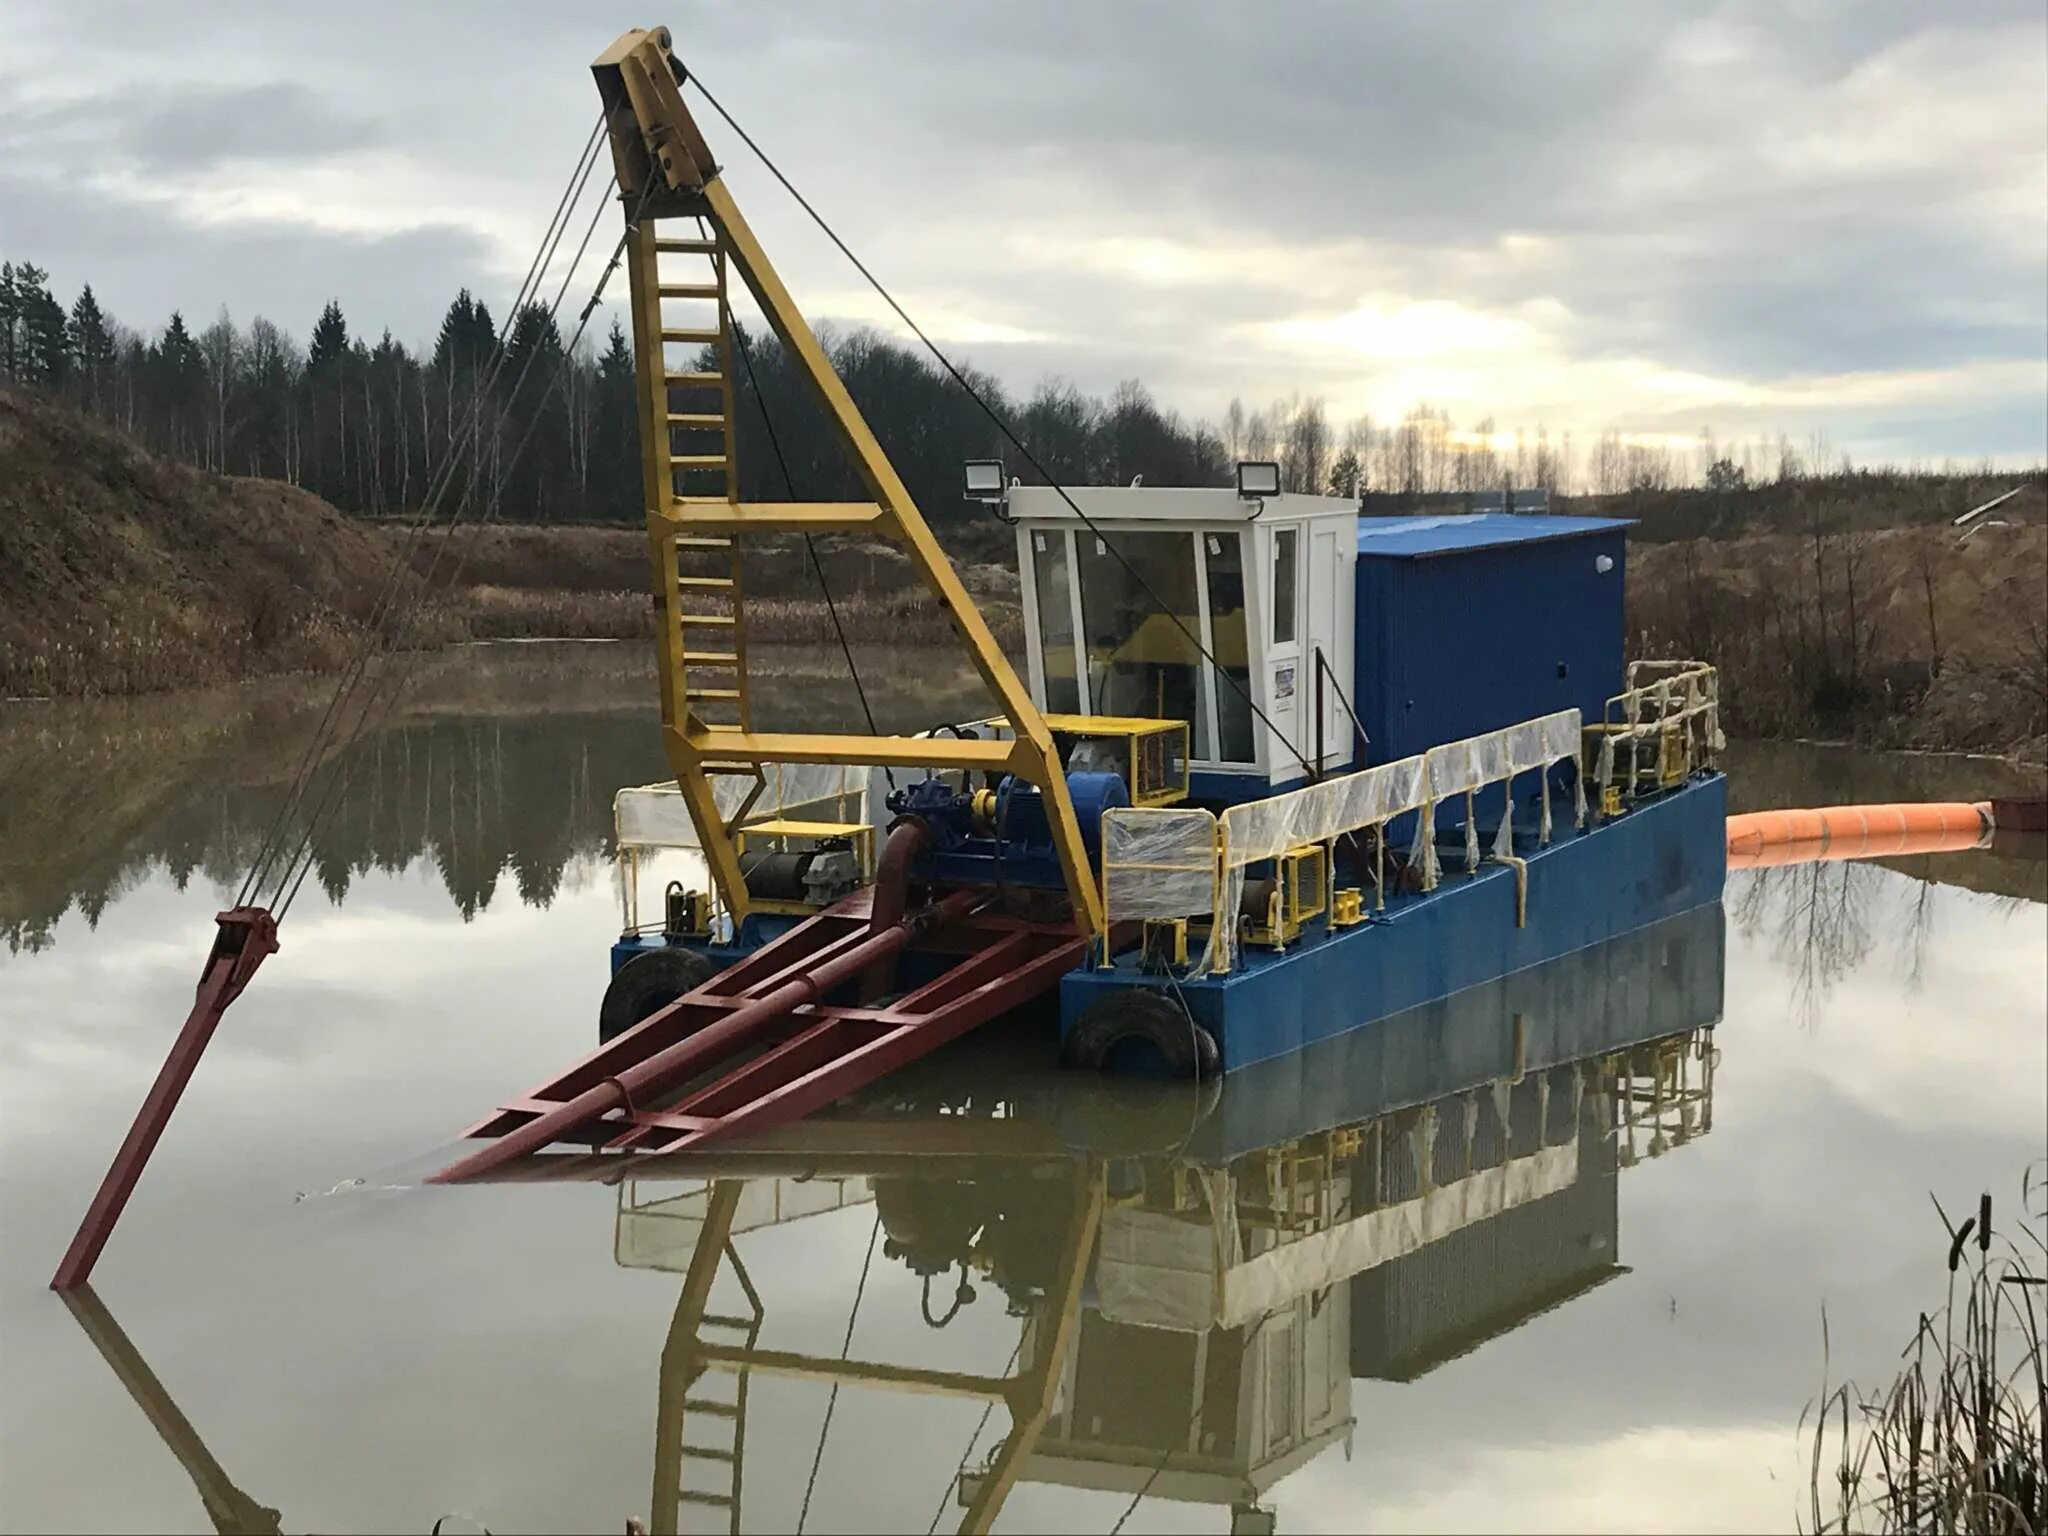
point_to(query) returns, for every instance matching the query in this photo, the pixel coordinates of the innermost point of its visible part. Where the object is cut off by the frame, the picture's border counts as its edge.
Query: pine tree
(330, 338)
(452, 344)
(177, 378)
(39, 354)
(91, 341)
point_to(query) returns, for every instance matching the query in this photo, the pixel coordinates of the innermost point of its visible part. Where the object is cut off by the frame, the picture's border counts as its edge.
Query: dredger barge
(1266, 772)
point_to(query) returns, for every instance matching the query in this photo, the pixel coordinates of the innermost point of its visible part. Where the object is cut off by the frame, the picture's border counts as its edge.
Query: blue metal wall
(1453, 644)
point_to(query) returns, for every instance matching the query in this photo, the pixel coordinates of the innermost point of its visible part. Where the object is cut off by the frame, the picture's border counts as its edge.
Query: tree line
(372, 425)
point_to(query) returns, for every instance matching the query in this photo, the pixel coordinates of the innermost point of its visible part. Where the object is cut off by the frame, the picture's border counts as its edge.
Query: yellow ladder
(704, 472)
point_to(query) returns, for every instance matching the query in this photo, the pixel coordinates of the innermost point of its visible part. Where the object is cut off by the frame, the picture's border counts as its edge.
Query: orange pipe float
(1763, 839)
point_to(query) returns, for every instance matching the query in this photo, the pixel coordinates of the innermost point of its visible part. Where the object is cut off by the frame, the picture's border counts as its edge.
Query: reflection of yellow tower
(696, 1353)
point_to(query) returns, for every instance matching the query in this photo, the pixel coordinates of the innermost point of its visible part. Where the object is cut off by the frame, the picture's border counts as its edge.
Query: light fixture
(1257, 478)
(985, 480)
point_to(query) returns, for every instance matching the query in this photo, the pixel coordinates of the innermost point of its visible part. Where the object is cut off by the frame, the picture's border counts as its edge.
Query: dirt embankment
(1892, 637)
(125, 573)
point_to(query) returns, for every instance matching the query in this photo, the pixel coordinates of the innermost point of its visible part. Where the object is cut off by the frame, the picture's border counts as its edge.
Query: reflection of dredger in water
(1190, 1321)
(1196, 1278)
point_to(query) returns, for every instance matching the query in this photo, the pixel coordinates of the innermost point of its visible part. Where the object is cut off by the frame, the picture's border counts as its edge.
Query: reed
(1955, 1442)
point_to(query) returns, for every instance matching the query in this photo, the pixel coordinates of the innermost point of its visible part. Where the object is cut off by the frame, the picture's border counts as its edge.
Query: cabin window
(1140, 662)
(1223, 560)
(1055, 622)
(1283, 585)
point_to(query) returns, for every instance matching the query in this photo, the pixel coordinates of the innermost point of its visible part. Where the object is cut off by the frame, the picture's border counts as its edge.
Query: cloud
(275, 120)
(1523, 212)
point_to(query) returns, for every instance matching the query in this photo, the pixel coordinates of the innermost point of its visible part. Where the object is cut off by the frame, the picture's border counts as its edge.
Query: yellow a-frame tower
(666, 172)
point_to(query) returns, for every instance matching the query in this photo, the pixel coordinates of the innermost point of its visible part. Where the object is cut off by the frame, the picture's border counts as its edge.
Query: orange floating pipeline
(1763, 839)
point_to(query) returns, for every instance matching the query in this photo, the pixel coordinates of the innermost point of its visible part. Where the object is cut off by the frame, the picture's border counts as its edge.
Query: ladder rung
(686, 247)
(696, 461)
(690, 290)
(704, 581)
(702, 541)
(716, 1500)
(711, 1406)
(706, 618)
(713, 693)
(709, 1453)
(727, 1320)
(692, 334)
(693, 380)
(711, 658)
(697, 421)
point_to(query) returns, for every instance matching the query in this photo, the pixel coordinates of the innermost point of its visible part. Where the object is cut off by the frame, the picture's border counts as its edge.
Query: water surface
(1561, 1264)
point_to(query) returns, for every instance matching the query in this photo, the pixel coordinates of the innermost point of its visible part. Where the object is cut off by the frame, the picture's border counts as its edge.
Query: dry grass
(1897, 637)
(1956, 1442)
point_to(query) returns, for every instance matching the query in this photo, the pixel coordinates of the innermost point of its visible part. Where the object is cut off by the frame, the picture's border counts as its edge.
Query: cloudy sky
(1654, 217)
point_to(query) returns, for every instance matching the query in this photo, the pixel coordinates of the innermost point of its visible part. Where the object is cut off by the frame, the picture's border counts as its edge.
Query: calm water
(1553, 1255)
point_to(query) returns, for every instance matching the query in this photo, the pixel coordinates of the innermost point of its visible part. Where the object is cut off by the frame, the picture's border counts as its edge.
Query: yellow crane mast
(666, 174)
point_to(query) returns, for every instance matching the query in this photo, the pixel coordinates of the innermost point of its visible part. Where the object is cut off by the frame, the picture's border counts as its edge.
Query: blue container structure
(1470, 623)
(1333, 644)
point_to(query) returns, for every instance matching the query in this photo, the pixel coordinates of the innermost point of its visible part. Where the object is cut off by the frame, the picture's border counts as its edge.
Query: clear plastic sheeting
(1159, 1270)
(1158, 863)
(1316, 813)
(1193, 1273)
(1468, 766)
(655, 816)
(1664, 701)
(1183, 863)
(1260, 1285)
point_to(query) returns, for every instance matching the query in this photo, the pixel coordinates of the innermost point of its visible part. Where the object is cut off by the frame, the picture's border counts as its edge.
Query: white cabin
(1267, 583)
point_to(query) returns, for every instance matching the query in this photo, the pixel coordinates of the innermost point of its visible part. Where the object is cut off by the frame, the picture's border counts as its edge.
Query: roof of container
(1410, 538)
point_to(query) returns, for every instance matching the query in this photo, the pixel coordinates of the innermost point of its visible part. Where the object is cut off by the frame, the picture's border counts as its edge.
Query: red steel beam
(885, 1052)
(247, 935)
(648, 1078)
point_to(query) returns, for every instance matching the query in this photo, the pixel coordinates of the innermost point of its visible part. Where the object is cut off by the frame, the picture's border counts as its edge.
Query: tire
(650, 980)
(1140, 1028)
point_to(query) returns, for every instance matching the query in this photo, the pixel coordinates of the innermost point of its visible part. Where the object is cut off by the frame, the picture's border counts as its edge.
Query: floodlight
(985, 480)
(1258, 477)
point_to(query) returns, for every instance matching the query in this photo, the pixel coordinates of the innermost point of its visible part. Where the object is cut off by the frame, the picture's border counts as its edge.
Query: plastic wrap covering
(1158, 863)
(1275, 1277)
(1163, 1271)
(1265, 829)
(1662, 697)
(654, 815)
(1465, 767)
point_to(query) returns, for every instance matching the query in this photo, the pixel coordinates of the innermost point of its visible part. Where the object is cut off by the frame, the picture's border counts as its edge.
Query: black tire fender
(649, 981)
(1141, 1013)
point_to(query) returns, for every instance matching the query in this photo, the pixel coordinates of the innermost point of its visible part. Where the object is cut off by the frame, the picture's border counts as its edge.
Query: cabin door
(1324, 571)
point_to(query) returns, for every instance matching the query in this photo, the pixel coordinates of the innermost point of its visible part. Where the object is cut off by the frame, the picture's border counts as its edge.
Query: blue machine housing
(1467, 624)
(1016, 846)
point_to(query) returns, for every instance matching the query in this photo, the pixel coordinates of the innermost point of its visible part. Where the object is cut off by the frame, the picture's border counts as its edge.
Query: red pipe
(908, 837)
(646, 1080)
(1762, 839)
(247, 935)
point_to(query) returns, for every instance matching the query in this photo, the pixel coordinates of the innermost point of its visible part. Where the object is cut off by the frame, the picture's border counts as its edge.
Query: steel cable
(845, 1348)
(411, 661)
(401, 562)
(810, 546)
(1002, 425)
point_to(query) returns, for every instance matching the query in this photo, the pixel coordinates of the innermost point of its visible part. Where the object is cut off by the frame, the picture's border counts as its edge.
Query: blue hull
(1666, 857)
